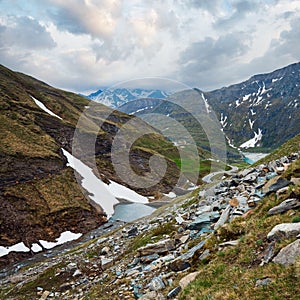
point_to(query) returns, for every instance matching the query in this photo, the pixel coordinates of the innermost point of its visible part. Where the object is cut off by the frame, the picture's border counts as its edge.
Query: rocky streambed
(156, 257)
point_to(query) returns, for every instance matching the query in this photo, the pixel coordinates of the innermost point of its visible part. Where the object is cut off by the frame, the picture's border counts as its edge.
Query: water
(251, 158)
(131, 211)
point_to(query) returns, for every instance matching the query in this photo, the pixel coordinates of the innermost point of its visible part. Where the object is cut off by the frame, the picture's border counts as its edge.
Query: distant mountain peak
(115, 97)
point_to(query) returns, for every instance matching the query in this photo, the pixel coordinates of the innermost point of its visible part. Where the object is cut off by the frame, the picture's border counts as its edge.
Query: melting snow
(251, 123)
(92, 184)
(171, 195)
(103, 194)
(20, 247)
(237, 103)
(206, 103)
(120, 191)
(66, 236)
(252, 142)
(223, 120)
(229, 142)
(275, 79)
(268, 104)
(44, 108)
(246, 97)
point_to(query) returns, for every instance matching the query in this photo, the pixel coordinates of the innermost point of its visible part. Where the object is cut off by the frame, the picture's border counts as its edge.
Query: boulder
(149, 258)
(152, 296)
(284, 230)
(275, 184)
(203, 220)
(285, 206)
(133, 232)
(179, 265)
(160, 247)
(288, 254)
(186, 280)
(156, 284)
(223, 218)
(173, 293)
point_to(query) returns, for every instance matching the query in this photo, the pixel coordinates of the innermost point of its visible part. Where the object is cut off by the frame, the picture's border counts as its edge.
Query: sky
(84, 45)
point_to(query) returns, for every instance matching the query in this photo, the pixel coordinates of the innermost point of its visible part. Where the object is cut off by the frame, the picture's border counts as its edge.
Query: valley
(153, 201)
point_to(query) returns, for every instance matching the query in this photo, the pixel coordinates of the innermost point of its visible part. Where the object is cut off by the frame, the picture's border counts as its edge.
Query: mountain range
(258, 114)
(115, 97)
(40, 198)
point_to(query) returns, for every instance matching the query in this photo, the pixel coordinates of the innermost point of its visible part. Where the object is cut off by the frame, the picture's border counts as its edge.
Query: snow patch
(20, 247)
(268, 105)
(44, 108)
(252, 112)
(237, 103)
(171, 195)
(246, 97)
(223, 120)
(254, 141)
(206, 103)
(66, 236)
(120, 191)
(251, 123)
(95, 186)
(103, 194)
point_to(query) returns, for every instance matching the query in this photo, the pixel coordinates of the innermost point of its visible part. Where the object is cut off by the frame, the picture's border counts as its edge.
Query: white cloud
(83, 45)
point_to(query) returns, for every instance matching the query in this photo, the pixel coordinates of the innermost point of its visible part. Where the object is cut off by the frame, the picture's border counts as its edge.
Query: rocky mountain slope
(260, 113)
(263, 111)
(234, 239)
(115, 97)
(39, 195)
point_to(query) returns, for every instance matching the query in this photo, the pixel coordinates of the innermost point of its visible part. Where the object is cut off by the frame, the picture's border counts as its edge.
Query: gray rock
(156, 284)
(186, 280)
(157, 248)
(190, 253)
(285, 206)
(105, 250)
(288, 254)
(179, 265)
(179, 219)
(250, 177)
(275, 184)
(133, 232)
(77, 273)
(223, 218)
(284, 230)
(229, 243)
(149, 258)
(71, 266)
(204, 255)
(266, 255)
(152, 296)
(200, 222)
(173, 293)
(263, 282)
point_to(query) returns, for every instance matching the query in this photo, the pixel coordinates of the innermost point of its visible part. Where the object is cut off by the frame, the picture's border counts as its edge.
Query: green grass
(153, 236)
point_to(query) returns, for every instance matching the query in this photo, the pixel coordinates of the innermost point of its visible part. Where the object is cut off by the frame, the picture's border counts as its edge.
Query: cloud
(288, 43)
(211, 6)
(25, 32)
(203, 59)
(241, 9)
(95, 18)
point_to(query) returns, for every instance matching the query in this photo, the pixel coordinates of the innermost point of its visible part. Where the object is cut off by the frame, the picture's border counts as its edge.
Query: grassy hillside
(39, 195)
